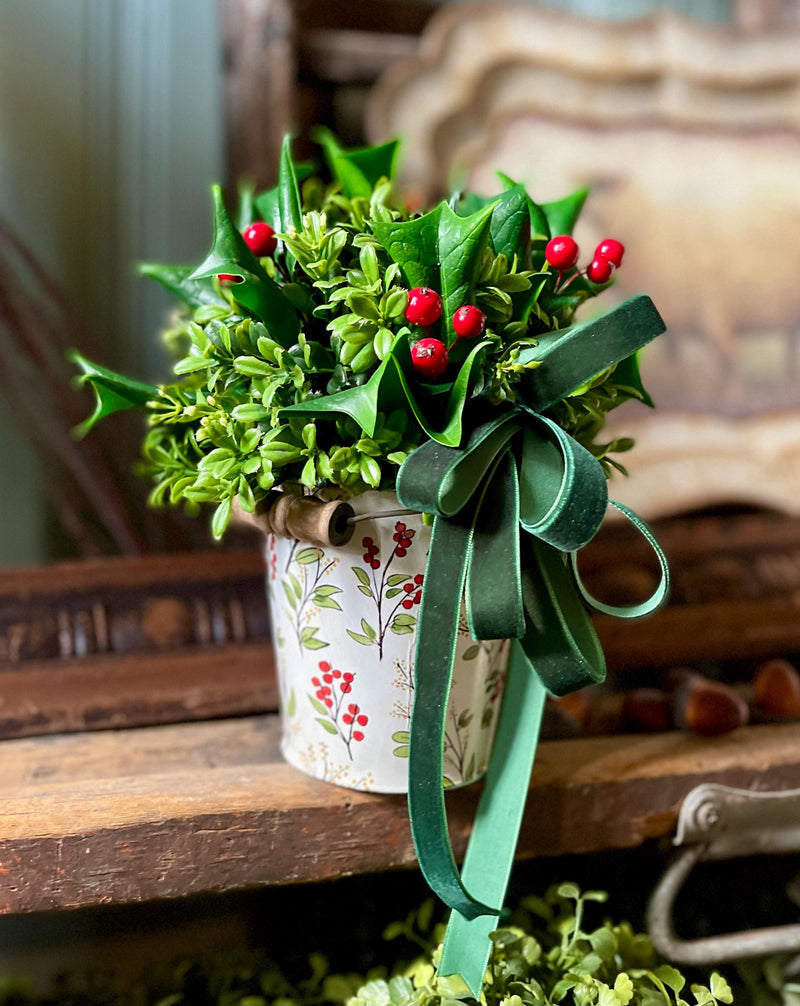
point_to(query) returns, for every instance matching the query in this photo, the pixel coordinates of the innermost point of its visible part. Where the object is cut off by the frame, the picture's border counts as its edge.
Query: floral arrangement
(335, 341)
(331, 330)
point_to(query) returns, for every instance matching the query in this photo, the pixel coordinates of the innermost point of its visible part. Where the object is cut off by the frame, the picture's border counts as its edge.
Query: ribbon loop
(659, 595)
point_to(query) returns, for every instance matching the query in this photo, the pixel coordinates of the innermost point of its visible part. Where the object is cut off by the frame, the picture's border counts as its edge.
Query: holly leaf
(461, 242)
(627, 374)
(414, 246)
(511, 225)
(255, 290)
(562, 215)
(114, 392)
(540, 228)
(360, 169)
(175, 278)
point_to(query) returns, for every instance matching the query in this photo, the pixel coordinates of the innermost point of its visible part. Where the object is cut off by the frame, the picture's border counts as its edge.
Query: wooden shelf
(123, 816)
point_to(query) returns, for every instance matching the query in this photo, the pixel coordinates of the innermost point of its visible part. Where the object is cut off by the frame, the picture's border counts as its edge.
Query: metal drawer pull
(719, 822)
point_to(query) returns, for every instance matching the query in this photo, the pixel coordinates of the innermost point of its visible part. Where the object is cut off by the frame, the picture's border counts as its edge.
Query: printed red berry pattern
(424, 306)
(393, 593)
(337, 716)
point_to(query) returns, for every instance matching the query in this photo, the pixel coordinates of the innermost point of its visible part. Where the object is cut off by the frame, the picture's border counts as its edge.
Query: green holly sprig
(299, 365)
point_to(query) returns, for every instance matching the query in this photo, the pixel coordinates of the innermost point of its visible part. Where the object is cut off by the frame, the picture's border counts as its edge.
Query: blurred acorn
(776, 689)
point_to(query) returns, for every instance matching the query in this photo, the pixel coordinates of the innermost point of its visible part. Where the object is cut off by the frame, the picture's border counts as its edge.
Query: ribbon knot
(511, 508)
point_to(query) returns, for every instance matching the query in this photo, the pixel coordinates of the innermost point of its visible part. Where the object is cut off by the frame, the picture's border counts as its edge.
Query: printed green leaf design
(289, 595)
(361, 575)
(291, 708)
(392, 592)
(327, 725)
(396, 578)
(357, 170)
(471, 652)
(327, 590)
(363, 640)
(296, 587)
(308, 555)
(365, 590)
(401, 751)
(318, 705)
(326, 602)
(257, 292)
(308, 638)
(113, 392)
(401, 738)
(367, 629)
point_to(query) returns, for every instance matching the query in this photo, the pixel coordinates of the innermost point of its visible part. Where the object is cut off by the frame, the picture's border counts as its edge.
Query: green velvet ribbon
(510, 507)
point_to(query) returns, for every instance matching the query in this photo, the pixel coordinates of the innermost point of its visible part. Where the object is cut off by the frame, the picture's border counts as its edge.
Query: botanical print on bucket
(344, 629)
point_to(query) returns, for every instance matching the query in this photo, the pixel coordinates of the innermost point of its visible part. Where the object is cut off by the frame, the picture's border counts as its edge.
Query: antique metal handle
(720, 822)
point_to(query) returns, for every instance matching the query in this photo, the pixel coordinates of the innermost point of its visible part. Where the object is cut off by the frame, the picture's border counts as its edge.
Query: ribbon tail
(436, 643)
(490, 855)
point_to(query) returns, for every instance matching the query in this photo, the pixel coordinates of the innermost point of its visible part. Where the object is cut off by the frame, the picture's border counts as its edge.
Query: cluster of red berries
(415, 588)
(260, 239)
(430, 356)
(402, 535)
(324, 685)
(370, 552)
(354, 715)
(561, 253)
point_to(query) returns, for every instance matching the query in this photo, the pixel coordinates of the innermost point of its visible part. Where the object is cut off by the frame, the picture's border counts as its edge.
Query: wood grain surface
(123, 816)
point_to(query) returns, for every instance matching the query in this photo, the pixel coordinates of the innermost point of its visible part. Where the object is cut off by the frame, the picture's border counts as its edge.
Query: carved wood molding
(681, 130)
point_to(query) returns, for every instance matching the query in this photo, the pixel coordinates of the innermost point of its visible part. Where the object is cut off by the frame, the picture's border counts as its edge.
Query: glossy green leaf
(627, 374)
(114, 392)
(246, 210)
(175, 278)
(511, 225)
(563, 214)
(289, 205)
(539, 225)
(414, 246)
(258, 293)
(360, 169)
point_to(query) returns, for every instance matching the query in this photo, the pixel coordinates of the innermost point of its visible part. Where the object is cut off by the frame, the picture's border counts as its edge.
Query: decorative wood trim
(168, 811)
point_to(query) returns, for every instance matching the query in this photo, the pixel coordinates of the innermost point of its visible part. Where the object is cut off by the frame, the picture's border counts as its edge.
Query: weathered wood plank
(165, 811)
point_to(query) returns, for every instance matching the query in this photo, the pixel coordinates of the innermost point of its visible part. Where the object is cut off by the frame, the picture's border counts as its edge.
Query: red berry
(375, 564)
(419, 578)
(367, 558)
(417, 597)
(366, 542)
(429, 358)
(320, 693)
(348, 676)
(612, 250)
(399, 552)
(347, 718)
(399, 526)
(600, 270)
(323, 665)
(347, 687)
(327, 678)
(328, 703)
(561, 252)
(316, 682)
(358, 735)
(352, 708)
(424, 306)
(260, 239)
(227, 277)
(408, 605)
(325, 690)
(408, 587)
(397, 536)
(469, 322)
(373, 550)
(336, 674)
(405, 543)
(362, 720)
